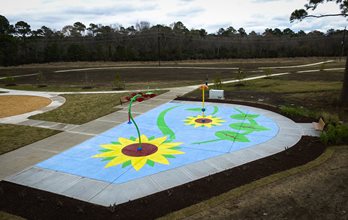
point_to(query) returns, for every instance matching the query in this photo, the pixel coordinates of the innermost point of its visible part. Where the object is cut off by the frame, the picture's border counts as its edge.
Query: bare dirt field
(15, 105)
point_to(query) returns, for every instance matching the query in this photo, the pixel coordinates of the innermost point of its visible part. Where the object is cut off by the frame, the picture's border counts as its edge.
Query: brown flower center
(203, 120)
(132, 150)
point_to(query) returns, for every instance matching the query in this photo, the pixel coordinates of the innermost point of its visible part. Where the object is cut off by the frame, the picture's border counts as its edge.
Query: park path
(187, 67)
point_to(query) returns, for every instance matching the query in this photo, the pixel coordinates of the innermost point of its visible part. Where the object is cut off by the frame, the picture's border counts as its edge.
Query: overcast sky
(208, 14)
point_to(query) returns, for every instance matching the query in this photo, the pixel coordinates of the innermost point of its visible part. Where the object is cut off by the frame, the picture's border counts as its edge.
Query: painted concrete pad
(187, 141)
(177, 147)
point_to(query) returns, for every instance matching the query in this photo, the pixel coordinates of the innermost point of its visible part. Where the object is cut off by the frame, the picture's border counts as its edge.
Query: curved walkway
(187, 67)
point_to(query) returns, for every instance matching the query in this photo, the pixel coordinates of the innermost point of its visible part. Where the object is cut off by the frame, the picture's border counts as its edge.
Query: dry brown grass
(19, 104)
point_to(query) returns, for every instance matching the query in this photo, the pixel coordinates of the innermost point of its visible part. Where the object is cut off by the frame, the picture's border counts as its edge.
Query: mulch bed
(37, 204)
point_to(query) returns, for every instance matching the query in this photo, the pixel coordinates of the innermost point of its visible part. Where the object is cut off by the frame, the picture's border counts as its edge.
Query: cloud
(211, 15)
(216, 27)
(263, 1)
(186, 12)
(108, 10)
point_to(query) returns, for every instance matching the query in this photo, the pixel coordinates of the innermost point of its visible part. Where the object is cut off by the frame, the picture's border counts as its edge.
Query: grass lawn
(269, 197)
(275, 85)
(289, 86)
(7, 216)
(319, 92)
(82, 108)
(16, 136)
(142, 84)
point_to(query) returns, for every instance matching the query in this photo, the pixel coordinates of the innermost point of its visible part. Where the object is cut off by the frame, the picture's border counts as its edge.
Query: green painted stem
(239, 111)
(131, 118)
(162, 125)
(203, 142)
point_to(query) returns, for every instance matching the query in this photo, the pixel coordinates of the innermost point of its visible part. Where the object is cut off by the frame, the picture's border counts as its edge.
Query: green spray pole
(131, 118)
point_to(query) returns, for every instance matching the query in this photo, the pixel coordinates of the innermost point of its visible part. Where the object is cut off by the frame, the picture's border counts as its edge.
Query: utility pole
(342, 42)
(159, 45)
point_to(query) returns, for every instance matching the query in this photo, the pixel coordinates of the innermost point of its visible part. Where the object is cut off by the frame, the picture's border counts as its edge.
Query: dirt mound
(19, 104)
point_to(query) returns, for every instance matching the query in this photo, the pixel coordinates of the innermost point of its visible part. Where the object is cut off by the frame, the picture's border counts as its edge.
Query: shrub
(118, 84)
(268, 72)
(240, 77)
(217, 83)
(297, 111)
(330, 118)
(335, 134)
(40, 79)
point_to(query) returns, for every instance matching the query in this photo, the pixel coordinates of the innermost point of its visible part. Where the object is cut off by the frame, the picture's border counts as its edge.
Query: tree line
(19, 44)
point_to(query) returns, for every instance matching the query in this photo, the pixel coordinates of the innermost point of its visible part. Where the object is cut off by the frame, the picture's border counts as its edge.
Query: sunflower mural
(203, 121)
(125, 152)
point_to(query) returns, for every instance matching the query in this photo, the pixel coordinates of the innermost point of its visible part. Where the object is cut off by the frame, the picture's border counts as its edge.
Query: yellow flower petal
(143, 139)
(159, 159)
(170, 145)
(169, 151)
(138, 162)
(111, 146)
(107, 154)
(116, 161)
(158, 141)
(124, 141)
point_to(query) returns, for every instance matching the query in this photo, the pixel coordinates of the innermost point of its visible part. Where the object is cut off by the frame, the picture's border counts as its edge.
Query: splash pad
(177, 147)
(172, 135)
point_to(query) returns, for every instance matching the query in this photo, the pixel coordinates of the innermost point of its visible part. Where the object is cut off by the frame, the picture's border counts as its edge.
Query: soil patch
(36, 204)
(19, 104)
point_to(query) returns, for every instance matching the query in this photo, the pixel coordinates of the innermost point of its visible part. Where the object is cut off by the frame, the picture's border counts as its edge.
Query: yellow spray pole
(203, 101)
(203, 87)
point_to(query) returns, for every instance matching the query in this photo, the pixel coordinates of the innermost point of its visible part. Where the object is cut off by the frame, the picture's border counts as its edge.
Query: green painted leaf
(194, 109)
(115, 142)
(168, 156)
(251, 117)
(205, 142)
(107, 158)
(216, 109)
(243, 115)
(238, 116)
(236, 126)
(151, 138)
(162, 125)
(231, 136)
(249, 128)
(132, 138)
(150, 163)
(126, 164)
(104, 150)
(175, 148)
